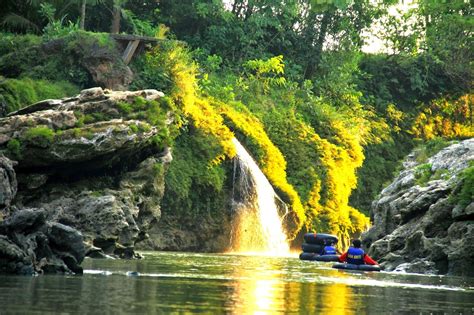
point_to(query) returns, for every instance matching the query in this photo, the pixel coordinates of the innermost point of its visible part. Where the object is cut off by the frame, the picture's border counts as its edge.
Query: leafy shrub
(18, 93)
(66, 56)
(466, 194)
(451, 119)
(191, 179)
(56, 28)
(430, 148)
(13, 43)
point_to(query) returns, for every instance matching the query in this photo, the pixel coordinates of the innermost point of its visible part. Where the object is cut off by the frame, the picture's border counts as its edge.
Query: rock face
(29, 244)
(93, 163)
(8, 184)
(418, 224)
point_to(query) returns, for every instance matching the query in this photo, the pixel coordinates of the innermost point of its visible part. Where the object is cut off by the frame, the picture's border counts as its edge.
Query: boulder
(25, 220)
(29, 244)
(66, 238)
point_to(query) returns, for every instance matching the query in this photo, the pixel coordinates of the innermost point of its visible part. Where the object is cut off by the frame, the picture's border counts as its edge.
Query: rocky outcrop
(94, 163)
(419, 225)
(102, 61)
(29, 244)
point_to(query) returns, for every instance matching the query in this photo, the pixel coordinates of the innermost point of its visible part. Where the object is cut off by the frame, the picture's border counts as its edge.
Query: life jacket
(329, 250)
(355, 256)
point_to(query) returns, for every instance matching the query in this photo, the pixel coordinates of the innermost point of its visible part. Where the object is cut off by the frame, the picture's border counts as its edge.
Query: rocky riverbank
(419, 223)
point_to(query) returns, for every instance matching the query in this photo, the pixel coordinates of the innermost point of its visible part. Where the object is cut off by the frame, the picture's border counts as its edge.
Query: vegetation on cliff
(327, 123)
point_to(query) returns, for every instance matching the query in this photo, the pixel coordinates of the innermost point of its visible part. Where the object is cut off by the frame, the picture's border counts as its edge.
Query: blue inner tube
(356, 267)
(319, 238)
(317, 257)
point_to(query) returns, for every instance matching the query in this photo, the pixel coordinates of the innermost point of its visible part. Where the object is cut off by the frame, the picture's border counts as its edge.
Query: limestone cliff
(418, 223)
(93, 163)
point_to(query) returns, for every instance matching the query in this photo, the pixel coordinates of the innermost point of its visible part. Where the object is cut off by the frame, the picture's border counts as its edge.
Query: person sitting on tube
(356, 255)
(329, 248)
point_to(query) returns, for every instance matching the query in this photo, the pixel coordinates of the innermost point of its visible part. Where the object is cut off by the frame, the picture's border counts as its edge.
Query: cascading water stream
(258, 226)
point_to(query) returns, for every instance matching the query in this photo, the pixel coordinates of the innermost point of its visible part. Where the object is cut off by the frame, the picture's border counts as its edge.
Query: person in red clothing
(356, 255)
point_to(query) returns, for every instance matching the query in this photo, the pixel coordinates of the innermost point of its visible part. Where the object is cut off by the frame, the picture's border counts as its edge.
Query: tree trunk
(115, 20)
(318, 46)
(83, 14)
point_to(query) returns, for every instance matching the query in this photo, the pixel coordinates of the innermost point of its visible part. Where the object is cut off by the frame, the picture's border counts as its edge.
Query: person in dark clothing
(329, 248)
(356, 255)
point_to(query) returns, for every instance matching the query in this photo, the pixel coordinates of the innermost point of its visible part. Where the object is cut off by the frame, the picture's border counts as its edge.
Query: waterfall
(258, 225)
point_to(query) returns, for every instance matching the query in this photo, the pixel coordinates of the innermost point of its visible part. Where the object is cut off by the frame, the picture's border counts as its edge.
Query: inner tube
(356, 267)
(316, 257)
(327, 258)
(312, 248)
(308, 256)
(319, 238)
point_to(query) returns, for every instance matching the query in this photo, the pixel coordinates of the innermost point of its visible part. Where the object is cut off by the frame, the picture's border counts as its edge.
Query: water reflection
(188, 283)
(255, 290)
(338, 298)
(265, 289)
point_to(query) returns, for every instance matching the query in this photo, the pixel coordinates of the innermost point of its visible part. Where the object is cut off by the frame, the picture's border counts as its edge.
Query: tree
(449, 30)
(116, 15)
(83, 10)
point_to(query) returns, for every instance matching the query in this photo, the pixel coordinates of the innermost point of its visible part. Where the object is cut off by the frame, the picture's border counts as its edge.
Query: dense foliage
(327, 123)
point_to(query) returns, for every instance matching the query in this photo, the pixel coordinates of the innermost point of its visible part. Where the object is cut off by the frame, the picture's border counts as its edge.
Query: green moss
(14, 148)
(158, 169)
(124, 107)
(76, 132)
(88, 118)
(80, 118)
(97, 193)
(139, 104)
(134, 128)
(440, 174)
(93, 117)
(40, 136)
(423, 174)
(161, 140)
(144, 127)
(88, 134)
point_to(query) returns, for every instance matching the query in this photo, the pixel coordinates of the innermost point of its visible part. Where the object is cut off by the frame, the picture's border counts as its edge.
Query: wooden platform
(132, 43)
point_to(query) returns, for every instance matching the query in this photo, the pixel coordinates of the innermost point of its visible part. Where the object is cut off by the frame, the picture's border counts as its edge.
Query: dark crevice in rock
(107, 167)
(465, 217)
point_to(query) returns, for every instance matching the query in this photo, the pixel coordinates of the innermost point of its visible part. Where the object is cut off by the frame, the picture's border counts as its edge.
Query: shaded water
(218, 283)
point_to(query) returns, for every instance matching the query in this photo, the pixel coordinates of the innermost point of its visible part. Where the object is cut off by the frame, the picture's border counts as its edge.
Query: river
(164, 282)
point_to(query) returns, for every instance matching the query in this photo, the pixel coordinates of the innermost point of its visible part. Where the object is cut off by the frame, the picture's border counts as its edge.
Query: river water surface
(218, 283)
